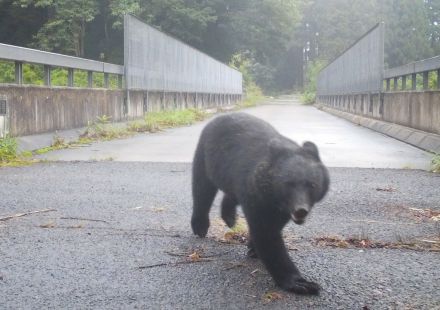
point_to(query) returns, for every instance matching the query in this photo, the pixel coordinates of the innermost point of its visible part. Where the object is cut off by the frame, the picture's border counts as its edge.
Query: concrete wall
(418, 110)
(35, 109)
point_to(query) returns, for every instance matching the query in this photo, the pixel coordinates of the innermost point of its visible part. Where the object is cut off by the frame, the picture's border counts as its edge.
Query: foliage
(412, 28)
(8, 149)
(253, 93)
(435, 164)
(220, 28)
(313, 69)
(65, 28)
(271, 33)
(253, 96)
(101, 129)
(9, 155)
(7, 72)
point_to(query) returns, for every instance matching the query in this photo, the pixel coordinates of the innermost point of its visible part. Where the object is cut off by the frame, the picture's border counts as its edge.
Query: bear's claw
(229, 219)
(301, 286)
(200, 226)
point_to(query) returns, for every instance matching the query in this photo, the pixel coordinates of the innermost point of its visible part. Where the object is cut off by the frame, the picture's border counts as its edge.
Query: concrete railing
(400, 74)
(20, 55)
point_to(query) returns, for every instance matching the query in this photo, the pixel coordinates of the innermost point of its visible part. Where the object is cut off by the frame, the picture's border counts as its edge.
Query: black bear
(271, 177)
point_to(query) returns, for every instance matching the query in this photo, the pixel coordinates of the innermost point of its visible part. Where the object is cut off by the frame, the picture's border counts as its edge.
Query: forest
(268, 40)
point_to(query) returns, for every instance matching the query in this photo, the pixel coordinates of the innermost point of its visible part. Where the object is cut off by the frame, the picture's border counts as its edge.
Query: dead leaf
(271, 296)
(388, 189)
(194, 257)
(50, 224)
(430, 214)
(158, 210)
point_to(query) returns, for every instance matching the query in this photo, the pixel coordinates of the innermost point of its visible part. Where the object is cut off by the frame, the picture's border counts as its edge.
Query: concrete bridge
(107, 225)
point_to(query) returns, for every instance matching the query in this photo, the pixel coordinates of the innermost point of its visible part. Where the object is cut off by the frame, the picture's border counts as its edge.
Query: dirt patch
(239, 234)
(419, 215)
(431, 245)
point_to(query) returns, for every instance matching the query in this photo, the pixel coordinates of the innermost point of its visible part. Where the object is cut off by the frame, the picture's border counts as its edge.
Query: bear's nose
(300, 213)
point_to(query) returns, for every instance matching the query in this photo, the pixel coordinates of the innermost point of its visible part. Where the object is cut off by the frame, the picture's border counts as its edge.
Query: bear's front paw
(301, 286)
(200, 226)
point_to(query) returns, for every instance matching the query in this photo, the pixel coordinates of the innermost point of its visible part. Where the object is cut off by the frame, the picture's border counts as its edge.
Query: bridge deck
(342, 144)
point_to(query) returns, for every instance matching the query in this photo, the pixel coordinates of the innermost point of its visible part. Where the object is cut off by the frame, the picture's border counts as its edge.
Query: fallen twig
(83, 219)
(183, 262)
(6, 218)
(233, 266)
(381, 222)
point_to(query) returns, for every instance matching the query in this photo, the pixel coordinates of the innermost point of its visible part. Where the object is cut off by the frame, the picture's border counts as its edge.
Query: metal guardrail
(359, 69)
(424, 67)
(155, 61)
(21, 55)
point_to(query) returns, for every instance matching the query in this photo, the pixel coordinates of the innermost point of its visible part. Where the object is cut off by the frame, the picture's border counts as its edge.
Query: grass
(254, 95)
(9, 155)
(157, 121)
(308, 98)
(435, 164)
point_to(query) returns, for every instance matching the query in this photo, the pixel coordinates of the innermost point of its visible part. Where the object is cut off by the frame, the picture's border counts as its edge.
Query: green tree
(65, 29)
(407, 36)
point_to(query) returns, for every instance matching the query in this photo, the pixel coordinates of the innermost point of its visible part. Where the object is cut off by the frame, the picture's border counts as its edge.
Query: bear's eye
(313, 185)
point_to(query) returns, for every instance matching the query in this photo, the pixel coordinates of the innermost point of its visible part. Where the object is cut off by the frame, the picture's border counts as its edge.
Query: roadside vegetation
(34, 75)
(253, 93)
(435, 164)
(9, 155)
(309, 94)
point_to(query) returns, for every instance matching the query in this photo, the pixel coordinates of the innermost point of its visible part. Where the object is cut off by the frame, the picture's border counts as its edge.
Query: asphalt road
(119, 235)
(137, 214)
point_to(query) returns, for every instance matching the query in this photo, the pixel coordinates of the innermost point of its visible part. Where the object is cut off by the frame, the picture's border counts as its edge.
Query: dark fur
(268, 175)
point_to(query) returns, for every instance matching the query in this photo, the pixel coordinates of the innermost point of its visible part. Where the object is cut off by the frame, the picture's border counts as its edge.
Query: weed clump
(9, 155)
(435, 164)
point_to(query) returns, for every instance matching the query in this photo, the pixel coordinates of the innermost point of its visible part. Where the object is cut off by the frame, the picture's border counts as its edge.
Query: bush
(8, 149)
(435, 164)
(312, 72)
(253, 93)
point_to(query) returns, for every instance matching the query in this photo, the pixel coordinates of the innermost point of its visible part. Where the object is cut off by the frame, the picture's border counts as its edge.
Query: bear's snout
(300, 214)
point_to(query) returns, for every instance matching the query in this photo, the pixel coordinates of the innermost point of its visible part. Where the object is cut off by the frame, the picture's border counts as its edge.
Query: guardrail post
(70, 78)
(119, 81)
(414, 81)
(388, 84)
(396, 82)
(426, 80)
(90, 79)
(404, 82)
(106, 84)
(47, 75)
(19, 73)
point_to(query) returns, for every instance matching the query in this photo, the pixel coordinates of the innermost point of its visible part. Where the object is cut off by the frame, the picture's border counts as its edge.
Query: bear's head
(298, 178)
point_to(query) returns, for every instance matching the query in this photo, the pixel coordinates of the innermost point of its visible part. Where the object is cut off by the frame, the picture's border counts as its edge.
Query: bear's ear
(277, 148)
(312, 149)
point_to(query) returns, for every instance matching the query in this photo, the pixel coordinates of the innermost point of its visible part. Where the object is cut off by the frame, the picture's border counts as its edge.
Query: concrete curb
(423, 140)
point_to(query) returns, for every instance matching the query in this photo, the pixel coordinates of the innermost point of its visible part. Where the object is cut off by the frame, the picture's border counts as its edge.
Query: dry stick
(83, 219)
(176, 263)
(25, 214)
(233, 266)
(204, 256)
(381, 222)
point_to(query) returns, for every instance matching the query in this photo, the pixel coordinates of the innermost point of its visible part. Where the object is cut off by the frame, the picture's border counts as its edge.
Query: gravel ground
(137, 214)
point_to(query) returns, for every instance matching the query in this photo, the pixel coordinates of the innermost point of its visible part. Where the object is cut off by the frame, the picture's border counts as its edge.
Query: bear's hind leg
(229, 210)
(203, 195)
